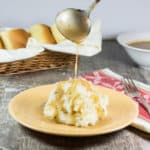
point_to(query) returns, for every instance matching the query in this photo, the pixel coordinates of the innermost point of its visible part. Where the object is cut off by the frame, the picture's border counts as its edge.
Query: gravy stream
(76, 62)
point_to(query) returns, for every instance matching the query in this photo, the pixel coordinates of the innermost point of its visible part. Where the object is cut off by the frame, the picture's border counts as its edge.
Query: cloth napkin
(110, 79)
(19, 54)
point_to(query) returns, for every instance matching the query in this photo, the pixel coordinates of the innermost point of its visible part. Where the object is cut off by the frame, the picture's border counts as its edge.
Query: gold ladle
(75, 24)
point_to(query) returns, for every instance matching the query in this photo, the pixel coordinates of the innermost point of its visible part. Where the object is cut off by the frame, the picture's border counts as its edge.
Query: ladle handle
(92, 6)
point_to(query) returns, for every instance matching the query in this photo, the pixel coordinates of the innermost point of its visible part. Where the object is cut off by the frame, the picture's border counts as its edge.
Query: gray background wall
(116, 15)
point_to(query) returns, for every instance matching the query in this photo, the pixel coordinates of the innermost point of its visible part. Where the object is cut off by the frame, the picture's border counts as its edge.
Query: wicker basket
(45, 60)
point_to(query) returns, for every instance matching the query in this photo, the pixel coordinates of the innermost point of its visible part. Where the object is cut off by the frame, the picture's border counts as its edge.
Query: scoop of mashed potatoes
(76, 102)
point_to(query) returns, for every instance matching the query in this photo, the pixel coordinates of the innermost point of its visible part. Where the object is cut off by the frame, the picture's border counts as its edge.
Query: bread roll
(42, 33)
(1, 44)
(57, 35)
(15, 38)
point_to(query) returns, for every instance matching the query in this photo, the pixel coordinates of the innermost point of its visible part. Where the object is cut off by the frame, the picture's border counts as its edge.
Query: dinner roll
(1, 44)
(42, 33)
(14, 38)
(57, 35)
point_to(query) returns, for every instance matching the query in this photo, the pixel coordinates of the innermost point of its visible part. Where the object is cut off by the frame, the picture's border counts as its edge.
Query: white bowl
(139, 56)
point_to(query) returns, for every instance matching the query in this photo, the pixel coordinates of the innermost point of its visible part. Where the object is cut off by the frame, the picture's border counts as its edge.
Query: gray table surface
(16, 137)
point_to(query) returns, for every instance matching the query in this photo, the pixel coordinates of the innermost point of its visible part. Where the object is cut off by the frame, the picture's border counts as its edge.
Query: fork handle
(145, 103)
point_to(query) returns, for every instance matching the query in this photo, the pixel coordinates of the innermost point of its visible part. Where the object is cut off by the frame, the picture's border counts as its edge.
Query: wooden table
(16, 137)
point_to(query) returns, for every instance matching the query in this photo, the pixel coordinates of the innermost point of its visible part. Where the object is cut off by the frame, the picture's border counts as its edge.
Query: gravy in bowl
(140, 44)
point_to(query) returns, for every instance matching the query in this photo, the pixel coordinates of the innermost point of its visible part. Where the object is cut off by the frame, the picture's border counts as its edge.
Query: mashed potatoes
(76, 102)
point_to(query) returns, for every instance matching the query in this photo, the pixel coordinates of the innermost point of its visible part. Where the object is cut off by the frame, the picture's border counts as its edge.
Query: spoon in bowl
(75, 24)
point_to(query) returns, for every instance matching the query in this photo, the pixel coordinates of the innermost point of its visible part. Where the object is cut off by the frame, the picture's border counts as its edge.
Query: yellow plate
(27, 109)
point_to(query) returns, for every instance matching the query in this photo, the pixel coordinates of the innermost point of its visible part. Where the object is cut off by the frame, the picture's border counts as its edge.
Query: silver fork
(132, 91)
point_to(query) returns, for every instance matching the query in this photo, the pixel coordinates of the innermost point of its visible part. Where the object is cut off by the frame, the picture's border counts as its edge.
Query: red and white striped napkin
(110, 79)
